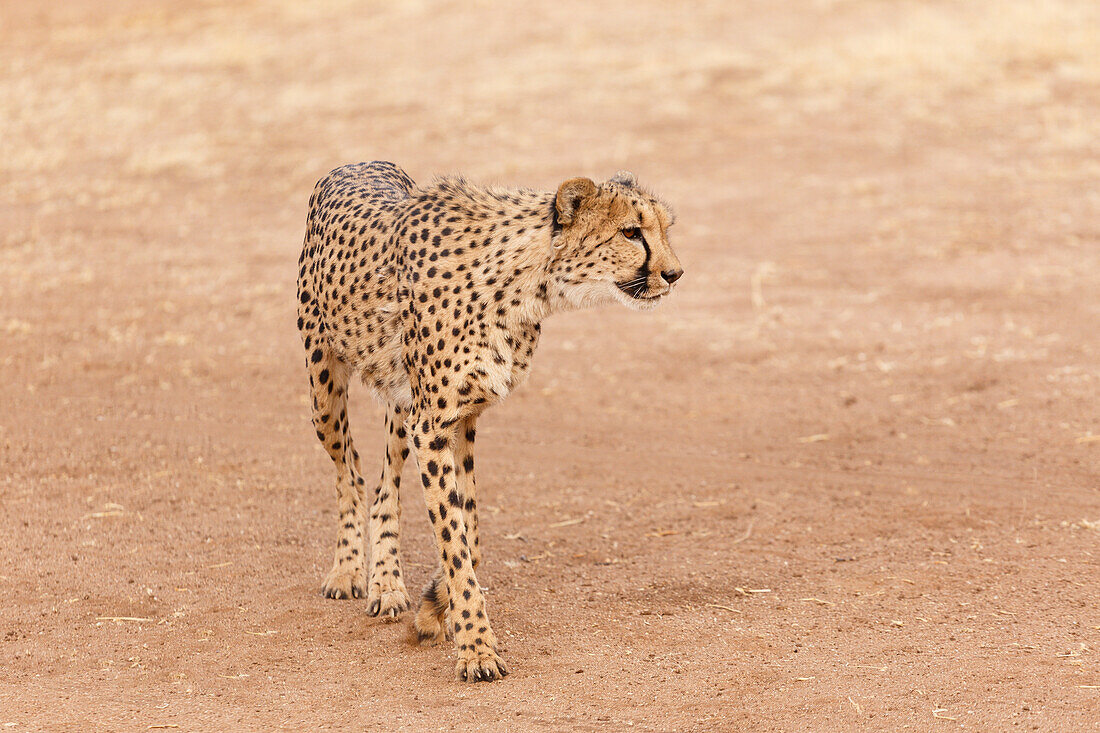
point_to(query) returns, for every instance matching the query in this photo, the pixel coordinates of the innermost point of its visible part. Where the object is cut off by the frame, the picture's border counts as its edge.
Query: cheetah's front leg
(431, 620)
(474, 638)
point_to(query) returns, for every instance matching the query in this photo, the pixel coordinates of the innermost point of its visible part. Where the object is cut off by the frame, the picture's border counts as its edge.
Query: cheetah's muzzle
(639, 292)
(433, 296)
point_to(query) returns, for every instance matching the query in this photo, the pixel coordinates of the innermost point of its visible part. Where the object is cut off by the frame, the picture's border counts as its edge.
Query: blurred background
(849, 474)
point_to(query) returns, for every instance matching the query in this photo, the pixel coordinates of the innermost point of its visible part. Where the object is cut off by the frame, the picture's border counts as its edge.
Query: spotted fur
(433, 296)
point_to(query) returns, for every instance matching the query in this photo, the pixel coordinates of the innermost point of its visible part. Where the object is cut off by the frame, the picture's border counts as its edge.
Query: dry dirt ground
(848, 479)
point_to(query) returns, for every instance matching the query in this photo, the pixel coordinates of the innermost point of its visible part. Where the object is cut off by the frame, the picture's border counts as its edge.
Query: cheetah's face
(613, 244)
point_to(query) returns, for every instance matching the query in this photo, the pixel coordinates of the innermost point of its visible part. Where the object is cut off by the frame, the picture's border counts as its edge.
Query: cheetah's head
(611, 244)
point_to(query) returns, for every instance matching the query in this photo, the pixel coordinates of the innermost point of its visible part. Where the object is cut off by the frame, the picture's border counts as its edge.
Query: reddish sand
(847, 479)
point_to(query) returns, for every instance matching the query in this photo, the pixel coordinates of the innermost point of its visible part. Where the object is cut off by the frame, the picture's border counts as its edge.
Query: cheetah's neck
(514, 259)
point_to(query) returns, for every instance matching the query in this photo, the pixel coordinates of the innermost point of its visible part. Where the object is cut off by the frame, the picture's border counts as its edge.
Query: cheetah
(433, 297)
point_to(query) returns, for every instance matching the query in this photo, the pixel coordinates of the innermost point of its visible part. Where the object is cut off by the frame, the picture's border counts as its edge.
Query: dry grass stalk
(724, 608)
(568, 522)
(122, 618)
(742, 538)
(748, 591)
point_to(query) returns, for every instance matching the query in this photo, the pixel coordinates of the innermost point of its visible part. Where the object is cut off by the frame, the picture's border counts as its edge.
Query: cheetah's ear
(572, 197)
(625, 179)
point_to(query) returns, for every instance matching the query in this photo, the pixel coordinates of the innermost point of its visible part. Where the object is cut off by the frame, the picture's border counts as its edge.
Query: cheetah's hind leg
(386, 593)
(431, 624)
(328, 381)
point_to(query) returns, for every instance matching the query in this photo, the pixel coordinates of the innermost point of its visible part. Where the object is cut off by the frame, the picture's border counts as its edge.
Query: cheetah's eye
(632, 232)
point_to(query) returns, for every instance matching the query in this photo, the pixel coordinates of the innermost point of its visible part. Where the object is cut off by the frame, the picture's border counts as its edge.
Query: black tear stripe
(643, 271)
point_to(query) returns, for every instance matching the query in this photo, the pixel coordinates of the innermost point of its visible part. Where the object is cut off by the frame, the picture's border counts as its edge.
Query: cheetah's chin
(643, 303)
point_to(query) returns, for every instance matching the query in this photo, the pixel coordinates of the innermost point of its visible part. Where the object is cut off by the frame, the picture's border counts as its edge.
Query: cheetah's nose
(672, 276)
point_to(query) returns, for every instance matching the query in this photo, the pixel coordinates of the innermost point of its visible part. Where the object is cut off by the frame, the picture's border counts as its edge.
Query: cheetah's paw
(345, 581)
(388, 599)
(480, 665)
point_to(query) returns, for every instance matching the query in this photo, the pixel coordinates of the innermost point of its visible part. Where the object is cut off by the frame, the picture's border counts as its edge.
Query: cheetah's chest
(501, 364)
